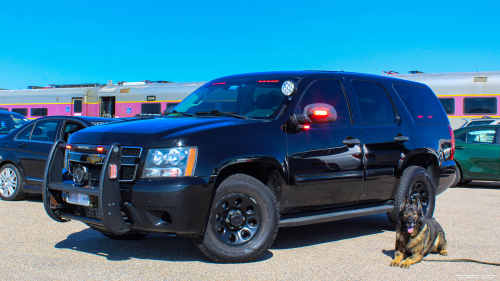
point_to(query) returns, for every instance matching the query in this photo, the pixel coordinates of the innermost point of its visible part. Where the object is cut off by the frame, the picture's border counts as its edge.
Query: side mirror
(320, 113)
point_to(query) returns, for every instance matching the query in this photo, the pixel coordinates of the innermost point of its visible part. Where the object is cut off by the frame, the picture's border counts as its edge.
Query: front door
(35, 144)
(108, 107)
(323, 171)
(382, 153)
(76, 107)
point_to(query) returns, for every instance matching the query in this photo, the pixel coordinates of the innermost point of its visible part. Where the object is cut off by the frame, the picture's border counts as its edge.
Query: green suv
(477, 153)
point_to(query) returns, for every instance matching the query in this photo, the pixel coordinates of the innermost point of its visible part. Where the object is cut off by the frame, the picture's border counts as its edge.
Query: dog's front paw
(395, 262)
(443, 253)
(405, 264)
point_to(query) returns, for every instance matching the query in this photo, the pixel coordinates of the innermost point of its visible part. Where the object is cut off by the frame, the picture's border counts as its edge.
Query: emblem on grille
(79, 172)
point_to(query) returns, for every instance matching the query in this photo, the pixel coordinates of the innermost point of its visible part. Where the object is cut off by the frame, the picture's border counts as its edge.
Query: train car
(464, 95)
(35, 103)
(111, 101)
(130, 100)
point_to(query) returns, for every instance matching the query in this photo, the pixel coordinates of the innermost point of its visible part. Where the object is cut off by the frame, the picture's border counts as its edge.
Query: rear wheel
(11, 183)
(243, 221)
(415, 182)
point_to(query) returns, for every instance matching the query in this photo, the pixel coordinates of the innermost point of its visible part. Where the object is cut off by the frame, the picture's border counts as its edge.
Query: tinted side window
(39, 112)
(448, 105)
(481, 136)
(77, 106)
(422, 104)
(480, 105)
(329, 92)
(154, 108)
(45, 131)
(26, 133)
(23, 111)
(374, 103)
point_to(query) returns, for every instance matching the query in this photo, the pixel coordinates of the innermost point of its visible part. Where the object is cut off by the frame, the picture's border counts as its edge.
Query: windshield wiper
(183, 113)
(216, 112)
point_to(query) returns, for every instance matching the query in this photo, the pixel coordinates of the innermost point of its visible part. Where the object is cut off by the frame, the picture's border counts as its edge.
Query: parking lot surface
(32, 246)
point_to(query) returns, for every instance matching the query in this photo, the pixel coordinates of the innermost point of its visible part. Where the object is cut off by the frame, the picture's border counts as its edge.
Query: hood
(148, 133)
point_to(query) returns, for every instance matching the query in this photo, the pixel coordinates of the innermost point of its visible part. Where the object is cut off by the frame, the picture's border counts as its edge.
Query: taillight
(452, 138)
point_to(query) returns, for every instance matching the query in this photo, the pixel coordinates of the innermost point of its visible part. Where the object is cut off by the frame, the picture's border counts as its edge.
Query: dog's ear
(418, 202)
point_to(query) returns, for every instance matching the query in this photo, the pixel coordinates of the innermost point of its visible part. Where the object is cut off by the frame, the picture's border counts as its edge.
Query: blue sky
(64, 42)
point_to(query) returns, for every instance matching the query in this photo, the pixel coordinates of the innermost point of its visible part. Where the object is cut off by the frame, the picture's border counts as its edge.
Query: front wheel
(243, 221)
(11, 183)
(415, 181)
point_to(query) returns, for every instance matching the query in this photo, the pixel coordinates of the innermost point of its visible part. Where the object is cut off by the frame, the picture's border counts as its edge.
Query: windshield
(252, 97)
(8, 123)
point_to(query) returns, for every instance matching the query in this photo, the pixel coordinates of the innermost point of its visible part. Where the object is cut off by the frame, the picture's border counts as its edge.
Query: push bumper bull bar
(107, 193)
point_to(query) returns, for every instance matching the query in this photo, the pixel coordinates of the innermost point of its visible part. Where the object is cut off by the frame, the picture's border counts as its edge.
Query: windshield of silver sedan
(242, 97)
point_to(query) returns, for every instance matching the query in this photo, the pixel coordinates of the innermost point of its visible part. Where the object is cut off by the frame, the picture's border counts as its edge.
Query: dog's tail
(466, 260)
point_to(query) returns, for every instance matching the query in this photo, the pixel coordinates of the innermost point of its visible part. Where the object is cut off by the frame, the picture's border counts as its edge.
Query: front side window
(26, 133)
(252, 97)
(44, 131)
(39, 112)
(448, 105)
(479, 136)
(329, 92)
(480, 105)
(374, 103)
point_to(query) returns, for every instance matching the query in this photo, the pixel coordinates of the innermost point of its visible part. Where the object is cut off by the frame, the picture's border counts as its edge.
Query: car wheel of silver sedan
(11, 184)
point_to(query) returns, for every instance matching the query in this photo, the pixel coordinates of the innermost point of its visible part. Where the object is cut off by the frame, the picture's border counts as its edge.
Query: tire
(11, 183)
(415, 180)
(243, 222)
(124, 236)
(459, 179)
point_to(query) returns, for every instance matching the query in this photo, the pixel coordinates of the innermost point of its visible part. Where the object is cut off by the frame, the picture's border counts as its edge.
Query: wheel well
(426, 161)
(264, 172)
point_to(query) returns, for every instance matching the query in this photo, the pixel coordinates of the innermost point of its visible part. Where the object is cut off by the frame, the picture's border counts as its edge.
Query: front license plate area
(78, 199)
(92, 213)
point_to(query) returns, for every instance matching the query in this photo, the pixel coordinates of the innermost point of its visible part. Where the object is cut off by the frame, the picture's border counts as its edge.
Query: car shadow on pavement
(480, 185)
(153, 247)
(34, 197)
(307, 235)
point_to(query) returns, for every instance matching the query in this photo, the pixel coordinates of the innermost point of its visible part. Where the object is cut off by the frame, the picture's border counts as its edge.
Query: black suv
(246, 154)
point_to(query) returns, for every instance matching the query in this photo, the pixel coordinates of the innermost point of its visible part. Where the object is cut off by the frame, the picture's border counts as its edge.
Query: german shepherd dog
(417, 236)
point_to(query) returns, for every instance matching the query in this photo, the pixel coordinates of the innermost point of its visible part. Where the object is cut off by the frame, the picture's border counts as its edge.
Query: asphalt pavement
(34, 247)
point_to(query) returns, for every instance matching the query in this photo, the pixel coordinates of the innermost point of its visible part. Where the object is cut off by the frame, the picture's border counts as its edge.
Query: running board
(333, 216)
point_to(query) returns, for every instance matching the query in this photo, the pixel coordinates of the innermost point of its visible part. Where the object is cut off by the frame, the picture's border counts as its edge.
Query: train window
(152, 108)
(448, 105)
(422, 104)
(77, 106)
(39, 112)
(23, 111)
(480, 105)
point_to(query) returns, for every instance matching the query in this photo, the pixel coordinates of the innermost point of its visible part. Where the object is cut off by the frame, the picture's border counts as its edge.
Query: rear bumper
(174, 205)
(447, 175)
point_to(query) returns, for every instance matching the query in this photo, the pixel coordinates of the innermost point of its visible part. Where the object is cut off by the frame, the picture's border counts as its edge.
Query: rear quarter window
(422, 104)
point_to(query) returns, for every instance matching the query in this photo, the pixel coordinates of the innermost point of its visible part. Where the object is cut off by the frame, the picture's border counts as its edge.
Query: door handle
(351, 142)
(460, 147)
(401, 138)
(22, 145)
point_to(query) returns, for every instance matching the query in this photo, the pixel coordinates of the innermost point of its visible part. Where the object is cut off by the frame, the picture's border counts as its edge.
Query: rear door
(382, 152)
(323, 171)
(34, 147)
(478, 151)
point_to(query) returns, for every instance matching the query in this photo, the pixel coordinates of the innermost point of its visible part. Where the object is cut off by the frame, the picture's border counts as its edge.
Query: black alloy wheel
(415, 182)
(237, 219)
(243, 221)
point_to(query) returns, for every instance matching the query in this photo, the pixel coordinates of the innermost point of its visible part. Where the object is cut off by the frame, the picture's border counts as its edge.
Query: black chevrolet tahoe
(246, 154)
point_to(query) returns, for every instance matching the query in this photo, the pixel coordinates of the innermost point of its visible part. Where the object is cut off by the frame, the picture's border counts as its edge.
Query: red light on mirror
(307, 127)
(320, 113)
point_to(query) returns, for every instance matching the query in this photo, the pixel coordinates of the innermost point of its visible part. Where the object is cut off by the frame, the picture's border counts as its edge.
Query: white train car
(464, 95)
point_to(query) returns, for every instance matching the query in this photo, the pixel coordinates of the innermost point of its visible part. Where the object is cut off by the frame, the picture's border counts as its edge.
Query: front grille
(131, 151)
(127, 173)
(94, 170)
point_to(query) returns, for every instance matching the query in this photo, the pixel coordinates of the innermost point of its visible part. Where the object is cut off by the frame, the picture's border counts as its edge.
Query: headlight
(170, 162)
